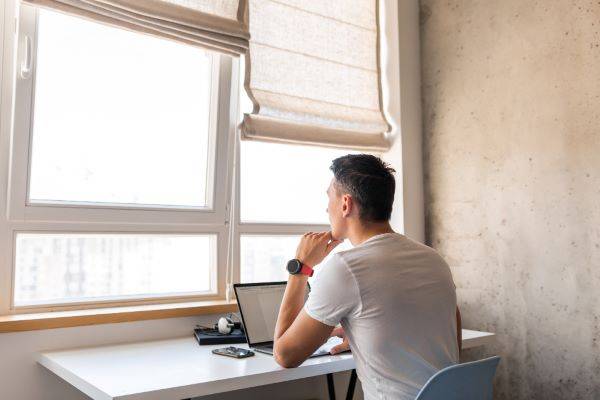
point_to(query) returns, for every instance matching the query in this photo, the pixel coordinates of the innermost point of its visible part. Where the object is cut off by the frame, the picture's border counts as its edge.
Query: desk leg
(351, 385)
(330, 387)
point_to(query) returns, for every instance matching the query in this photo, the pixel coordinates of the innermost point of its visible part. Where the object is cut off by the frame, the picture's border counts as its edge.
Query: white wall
(401, 69)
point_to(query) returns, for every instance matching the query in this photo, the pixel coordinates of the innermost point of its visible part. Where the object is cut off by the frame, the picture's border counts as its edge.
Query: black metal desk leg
(351, 385)
(330, 387)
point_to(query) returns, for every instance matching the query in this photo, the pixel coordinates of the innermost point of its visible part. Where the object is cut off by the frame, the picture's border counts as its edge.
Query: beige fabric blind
(312, 73)
(213, 24)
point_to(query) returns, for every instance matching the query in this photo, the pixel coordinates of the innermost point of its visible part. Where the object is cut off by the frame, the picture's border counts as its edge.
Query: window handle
(27, 62)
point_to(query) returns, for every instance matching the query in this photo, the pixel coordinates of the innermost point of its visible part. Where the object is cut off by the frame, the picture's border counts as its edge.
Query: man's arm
(292, 303)
(300, 340)
(297, 335)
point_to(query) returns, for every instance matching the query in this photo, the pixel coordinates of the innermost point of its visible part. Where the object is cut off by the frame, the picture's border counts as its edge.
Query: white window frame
(21, 209)
(243, 228)
(19, 23)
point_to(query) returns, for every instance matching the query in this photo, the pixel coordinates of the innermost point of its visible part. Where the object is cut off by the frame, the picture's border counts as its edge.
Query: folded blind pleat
(265, 129)
(312, 73)
(216, 25)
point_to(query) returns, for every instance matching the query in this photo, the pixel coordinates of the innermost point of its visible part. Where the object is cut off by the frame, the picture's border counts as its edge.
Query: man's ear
(347, 205)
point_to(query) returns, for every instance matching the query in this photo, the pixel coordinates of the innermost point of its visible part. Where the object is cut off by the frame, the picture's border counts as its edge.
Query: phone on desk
(235, 352)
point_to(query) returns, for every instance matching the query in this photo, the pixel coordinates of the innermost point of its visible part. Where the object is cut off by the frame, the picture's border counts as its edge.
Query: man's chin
(337, 236)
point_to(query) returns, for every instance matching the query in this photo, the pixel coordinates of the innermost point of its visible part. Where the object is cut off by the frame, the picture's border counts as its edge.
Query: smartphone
(235, 352)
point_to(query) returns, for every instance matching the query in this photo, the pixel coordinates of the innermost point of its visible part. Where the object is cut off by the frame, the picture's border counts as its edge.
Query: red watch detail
(306, 270)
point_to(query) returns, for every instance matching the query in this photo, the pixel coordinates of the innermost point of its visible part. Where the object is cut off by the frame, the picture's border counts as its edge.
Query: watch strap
(306, 270)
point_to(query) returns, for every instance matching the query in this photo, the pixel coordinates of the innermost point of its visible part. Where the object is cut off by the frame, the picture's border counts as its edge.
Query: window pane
(264, 258)
(285, 183)
(119, 117)
(53, 268)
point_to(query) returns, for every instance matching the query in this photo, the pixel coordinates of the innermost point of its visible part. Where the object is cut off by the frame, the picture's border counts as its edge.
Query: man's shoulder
(398, 247)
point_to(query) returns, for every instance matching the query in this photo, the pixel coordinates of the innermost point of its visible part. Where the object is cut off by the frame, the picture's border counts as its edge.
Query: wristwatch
(295, 266)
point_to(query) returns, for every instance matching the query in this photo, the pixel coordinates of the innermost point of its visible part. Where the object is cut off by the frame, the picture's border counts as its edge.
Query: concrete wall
(511, 111)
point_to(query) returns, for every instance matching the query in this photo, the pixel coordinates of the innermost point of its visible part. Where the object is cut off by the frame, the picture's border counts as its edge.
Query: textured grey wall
(511, 109)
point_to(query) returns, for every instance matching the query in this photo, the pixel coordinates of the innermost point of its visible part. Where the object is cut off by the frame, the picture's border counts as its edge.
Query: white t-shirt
(396, 301)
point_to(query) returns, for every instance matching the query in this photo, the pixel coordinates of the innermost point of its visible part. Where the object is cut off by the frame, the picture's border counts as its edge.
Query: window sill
(64, 319)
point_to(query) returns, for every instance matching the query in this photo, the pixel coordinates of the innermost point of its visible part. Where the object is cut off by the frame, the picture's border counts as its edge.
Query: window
(104, 94)
(263, 258)
(285, 183)
(282, 195)
(94, 267)
(120, 164)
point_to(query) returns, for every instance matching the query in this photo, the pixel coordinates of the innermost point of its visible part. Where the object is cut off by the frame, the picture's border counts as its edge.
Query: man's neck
(364, 231)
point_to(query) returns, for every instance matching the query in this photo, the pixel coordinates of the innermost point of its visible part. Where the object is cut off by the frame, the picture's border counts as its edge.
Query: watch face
(294, 266)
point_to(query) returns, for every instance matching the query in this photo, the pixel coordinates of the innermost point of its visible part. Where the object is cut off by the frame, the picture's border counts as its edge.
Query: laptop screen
(259, 306)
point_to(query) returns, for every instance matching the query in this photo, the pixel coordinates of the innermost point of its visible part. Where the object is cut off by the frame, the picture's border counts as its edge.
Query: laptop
(259, 307)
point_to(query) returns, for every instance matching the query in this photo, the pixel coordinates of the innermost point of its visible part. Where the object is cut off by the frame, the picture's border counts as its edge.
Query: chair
(468, 381)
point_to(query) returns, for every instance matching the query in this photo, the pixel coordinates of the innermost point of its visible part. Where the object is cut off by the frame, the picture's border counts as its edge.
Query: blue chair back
(468, 381)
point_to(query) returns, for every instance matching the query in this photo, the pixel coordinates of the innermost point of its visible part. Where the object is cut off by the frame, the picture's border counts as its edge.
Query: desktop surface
(174, 368)
(179, 368)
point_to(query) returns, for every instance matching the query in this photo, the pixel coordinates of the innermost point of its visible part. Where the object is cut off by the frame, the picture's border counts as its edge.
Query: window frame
(18, 21)
(21, 209)
(121, 300)
(244, 228)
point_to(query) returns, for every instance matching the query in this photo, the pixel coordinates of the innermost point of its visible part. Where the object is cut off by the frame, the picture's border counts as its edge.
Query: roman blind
(212, 24)
(312, 73)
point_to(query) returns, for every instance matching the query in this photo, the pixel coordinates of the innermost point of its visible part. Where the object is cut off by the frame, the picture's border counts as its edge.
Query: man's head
(361, 191)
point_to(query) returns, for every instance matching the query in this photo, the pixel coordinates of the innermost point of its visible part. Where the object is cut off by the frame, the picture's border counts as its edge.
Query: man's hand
(344, 346)
(314, 247)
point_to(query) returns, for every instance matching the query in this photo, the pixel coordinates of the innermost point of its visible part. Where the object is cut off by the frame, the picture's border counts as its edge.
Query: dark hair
(370, 182)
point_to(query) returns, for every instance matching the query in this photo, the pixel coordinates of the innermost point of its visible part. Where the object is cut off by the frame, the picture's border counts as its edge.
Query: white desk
(180, 368)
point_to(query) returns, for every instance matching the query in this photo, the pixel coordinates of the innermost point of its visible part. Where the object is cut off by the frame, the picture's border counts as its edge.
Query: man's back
(396, 300)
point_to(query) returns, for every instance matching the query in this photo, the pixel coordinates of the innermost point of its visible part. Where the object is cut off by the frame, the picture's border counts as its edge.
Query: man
(395, 298)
